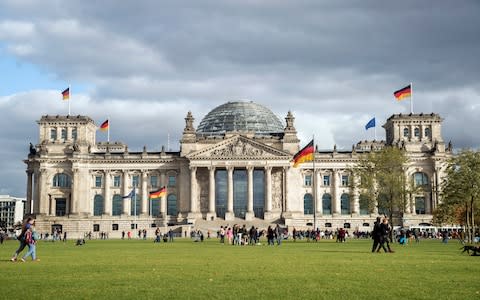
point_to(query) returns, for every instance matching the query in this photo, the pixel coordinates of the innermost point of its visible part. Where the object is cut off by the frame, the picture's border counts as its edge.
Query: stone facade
(235, 175)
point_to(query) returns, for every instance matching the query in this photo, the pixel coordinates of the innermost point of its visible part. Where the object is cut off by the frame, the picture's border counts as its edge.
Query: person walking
(385, 236)
(31, 239)
(21, 237)
(376, 234)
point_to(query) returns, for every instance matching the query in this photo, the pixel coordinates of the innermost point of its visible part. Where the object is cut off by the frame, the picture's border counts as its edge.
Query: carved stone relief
(238, 148)
(277, 189)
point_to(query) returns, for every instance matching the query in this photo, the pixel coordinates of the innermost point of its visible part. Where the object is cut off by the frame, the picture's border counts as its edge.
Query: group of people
(381, 235)
(237, 235)
(27, 237)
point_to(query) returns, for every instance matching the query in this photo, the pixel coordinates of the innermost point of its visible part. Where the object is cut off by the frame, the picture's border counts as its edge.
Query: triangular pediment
(239, 147)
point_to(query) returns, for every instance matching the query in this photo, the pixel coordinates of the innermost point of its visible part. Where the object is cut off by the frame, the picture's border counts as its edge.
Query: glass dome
(242, 117)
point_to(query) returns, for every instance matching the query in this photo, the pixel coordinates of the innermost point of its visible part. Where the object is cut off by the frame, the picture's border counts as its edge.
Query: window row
(326, 180)
(416, 132)
(63, 180)
(135, 206)
(63, 134)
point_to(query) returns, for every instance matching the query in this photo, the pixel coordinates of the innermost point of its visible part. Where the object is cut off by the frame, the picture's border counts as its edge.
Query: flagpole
(411, 97)
(69, 98)
(314, 188)
(375, 129)
(108, 130)
(135, 207)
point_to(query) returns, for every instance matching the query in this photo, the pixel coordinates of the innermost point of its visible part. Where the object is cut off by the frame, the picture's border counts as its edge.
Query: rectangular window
(64, 134)
(114, 227)
(116, 181)
(171, 181)
(344, 180)
(326, 180)
(98, 181)
(135, 180)
(60, 207)
(96, 227)
(420, 205)
(53, 134)
(308, 180)
(74, 134)
(153, 181)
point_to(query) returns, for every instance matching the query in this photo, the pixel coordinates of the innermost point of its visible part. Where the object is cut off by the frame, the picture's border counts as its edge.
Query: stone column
(193, 214)
(211, 215)
(28, 204)
(144, 205)
(36, 192)
(249, 215)
(336, 207)
(356, 197)
(163, 200)
(229, 214)
(75, 194)
(107, 196)
(126, 190)
(42, 195)
(318, 197)
(268, 193)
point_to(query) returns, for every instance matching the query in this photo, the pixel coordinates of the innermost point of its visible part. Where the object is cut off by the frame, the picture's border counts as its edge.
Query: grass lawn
(137, 269)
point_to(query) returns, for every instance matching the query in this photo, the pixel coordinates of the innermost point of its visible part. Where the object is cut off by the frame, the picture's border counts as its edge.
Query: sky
(145, 64)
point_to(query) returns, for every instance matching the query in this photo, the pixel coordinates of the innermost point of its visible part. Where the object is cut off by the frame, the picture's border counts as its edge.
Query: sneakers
(13, 259)
(23, 260)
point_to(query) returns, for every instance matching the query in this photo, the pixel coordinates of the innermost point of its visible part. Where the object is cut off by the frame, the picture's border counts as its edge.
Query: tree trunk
(467, 224)
(473, 219)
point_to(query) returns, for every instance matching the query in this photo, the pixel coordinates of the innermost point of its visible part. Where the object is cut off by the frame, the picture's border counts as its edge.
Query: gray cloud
(334, 65)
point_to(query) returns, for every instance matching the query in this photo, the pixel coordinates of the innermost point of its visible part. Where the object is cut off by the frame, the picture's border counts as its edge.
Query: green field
(137, 269)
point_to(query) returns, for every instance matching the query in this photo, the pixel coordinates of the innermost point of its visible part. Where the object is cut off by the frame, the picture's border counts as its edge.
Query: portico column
(163, 200)
(193, 189)
(144, 204)
(28, 204)
(74, 195)
(36, 193)
(318, 198)
(107, 198)
(249, 215)
(229, 215)
(211, 215)
(336, 193)
(126, 191)
(268, 193)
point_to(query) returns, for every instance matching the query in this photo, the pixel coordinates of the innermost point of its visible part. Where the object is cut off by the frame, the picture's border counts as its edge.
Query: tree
(461, 191)
(381, 181)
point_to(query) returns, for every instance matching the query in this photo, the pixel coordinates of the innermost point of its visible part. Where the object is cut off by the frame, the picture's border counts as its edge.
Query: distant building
(236, 166)
(12, 210)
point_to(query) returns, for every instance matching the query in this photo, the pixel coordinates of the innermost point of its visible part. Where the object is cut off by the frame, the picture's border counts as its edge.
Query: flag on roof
(304, 155)
(370, 124)
(104, 126)
(403, 93)
(66, 94)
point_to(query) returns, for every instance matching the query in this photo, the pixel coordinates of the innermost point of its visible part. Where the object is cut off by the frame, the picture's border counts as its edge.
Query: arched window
(345, 204)
(308, 204)
(416, 132)
(406, 132)
(427, 132)
(421, 179)
(117, 205)
(62, 180)
(172, 205)
(98, 205)
(327, 204)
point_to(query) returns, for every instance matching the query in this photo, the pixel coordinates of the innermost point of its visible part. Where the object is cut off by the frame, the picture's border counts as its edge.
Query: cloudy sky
(145, 64)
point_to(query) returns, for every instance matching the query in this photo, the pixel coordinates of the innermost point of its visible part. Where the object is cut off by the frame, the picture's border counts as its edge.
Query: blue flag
(130, 195)
(370, 124)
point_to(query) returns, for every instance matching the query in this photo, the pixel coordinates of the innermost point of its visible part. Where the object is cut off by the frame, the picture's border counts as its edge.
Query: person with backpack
(21, 237)
(31, 238)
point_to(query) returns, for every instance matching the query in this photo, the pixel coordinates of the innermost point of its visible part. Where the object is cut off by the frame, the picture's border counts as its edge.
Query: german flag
(304, 155)
(158, 193)
(104, 126)
(403, 93)
(66, 94)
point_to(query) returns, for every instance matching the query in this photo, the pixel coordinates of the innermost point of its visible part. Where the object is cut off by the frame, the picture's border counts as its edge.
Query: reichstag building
(234, 167)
